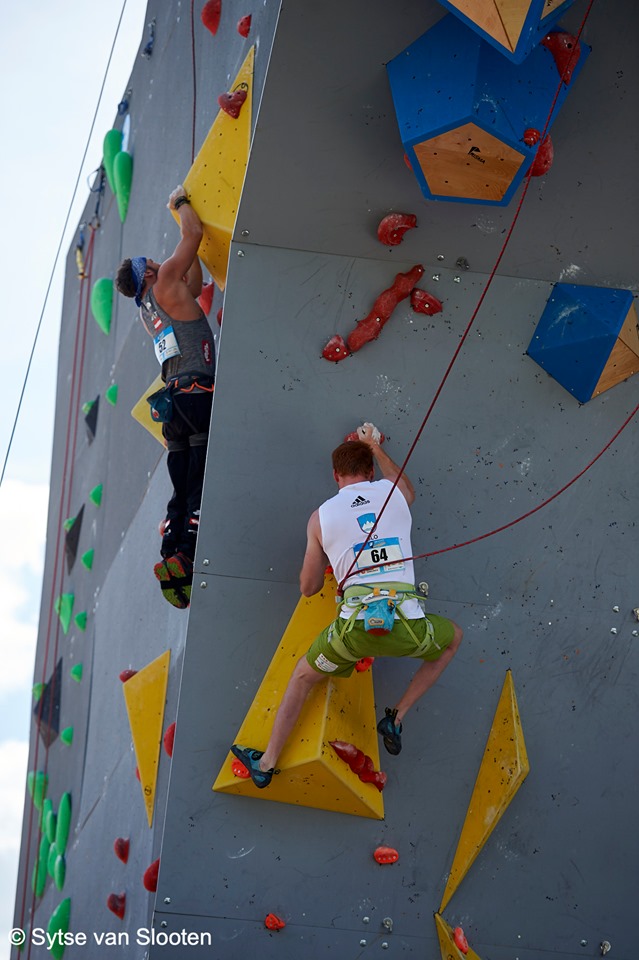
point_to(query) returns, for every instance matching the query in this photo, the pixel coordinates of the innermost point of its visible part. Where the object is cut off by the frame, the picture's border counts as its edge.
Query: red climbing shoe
(391, 732)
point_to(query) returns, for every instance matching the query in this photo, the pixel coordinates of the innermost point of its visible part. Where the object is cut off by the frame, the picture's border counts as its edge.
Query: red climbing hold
(116, 902)
(273, 922)
(407, 162)
(231, 103)
(543, 160)
(371, 326)
(205, 299)
(150, 878)
(169, 739)
(364, 664)
(392, 228)
(424, 302)
(359, 762)
(386, 855)
(121, 848)
(127, 674)
(565, 50)
(531, 136)
(244, 25)
(239, 770)
(460, 940)
(211, 12)
(137, 773)
(377, 777)
(335, 349)
(219, 316)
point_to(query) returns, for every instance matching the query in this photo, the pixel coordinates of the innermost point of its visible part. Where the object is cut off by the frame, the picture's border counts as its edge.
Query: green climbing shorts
(324, 658)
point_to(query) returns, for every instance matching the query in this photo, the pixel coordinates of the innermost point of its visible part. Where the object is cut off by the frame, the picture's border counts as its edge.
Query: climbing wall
(547, 670)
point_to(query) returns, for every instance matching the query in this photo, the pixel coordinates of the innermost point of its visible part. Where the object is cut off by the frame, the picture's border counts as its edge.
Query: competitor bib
(166, 345)
(384, 556)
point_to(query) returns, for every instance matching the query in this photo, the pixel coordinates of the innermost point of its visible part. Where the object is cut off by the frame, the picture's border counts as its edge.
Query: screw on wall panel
(362, 943)
(366, 919)
(615, 609)
(205, 563)
(167, 899)
(456, 279)
(635, 633)
(164, 924)
(614, 630)
(245, 233)
(584, 943)
(423, 588)
(440, 256)
(435, 276)
(384, 945)
(240, 253)
(462, 263)
(203, 585)
(605, 947)
(387, 922)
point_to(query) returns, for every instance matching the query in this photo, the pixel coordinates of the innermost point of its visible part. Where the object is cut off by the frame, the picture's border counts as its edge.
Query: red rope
(58, 565)
(480, 302)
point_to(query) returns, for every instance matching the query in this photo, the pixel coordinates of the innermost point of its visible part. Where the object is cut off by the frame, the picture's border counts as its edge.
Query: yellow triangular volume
(214, 182)
(145, 697)
(312, 775)
(142, 411)
(503, 769)
(447, 945)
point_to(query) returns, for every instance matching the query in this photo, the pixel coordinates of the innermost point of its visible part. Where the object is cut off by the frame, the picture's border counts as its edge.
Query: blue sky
(53, 57)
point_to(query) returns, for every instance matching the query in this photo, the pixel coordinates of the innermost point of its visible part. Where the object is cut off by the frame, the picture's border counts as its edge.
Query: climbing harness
(163, 404)
(379, 606)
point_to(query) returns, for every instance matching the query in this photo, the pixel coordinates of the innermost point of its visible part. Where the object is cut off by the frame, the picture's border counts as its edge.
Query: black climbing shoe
(391, 732)
(251, 760)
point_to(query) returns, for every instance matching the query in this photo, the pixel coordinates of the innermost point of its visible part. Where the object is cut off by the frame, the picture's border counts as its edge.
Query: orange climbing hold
(116, 902)
(460, 940)
(244, 26)
(392, 228)
(121, 848)
(239, 770)
(211, 13)
(386, 855)
(231, 103)
(364, 664)
(531, 136)
(273, 922)
(150, 878)
(169, 739)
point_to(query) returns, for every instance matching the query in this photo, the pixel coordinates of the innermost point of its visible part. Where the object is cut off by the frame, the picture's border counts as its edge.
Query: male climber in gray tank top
(183, 341)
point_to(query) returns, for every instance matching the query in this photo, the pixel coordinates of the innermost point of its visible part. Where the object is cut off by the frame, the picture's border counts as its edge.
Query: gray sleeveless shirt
(194, 339)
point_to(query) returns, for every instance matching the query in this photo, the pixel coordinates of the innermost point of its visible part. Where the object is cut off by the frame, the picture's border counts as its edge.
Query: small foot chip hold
(231, 103)
(150, 878)
(239, 770)
(273, 922)
(460, 940)
(169, 739)
(211, 13)
(116, 902)
(121, 846)
(386, 855)
(244, 26)
(392, 228)
(423, 302)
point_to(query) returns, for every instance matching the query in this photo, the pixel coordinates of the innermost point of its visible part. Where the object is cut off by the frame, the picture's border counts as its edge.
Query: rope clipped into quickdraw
(147, 52)
(79, 252)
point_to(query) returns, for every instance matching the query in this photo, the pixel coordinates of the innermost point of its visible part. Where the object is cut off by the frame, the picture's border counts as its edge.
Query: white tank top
(345, 522)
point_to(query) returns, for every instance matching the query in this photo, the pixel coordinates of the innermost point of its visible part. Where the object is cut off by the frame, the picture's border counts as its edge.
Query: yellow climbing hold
(214, 182)
(312, 775)
(145, 695)
(142, 411)
(503, 769)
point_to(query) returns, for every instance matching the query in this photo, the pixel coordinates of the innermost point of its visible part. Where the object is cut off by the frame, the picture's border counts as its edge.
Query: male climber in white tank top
(380, 614)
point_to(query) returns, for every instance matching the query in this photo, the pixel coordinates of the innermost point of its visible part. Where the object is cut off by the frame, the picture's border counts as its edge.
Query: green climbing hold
(76, 672)
(37, 691)
(66, 736)
(49, 821)
(37, 783)
(68, 523)
(111, 394)
(111, 146)
(59, 924)
(64, 823)
(88, 407)
(51, 859)
(59, 871)
(102, 303)
(122, 177)
(96, 495)
(87, 559)
(64, 609)
(80, 620)
(39, 875)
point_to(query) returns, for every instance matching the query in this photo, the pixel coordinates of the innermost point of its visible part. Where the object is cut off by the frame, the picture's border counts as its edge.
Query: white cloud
(23, 521)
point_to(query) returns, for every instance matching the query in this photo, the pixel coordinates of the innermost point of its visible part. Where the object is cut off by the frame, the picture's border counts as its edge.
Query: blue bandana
(138, 269)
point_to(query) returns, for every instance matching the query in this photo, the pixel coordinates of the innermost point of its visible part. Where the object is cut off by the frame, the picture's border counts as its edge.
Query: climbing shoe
(172, 590)
(251, 760)
(180, 568)
(391, 732)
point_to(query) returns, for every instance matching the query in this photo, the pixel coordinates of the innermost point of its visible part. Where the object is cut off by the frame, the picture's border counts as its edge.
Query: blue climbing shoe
(251, 760)
(391, 732)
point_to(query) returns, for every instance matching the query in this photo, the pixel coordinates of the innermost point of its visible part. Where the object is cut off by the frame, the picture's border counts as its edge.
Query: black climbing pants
(186, 435)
